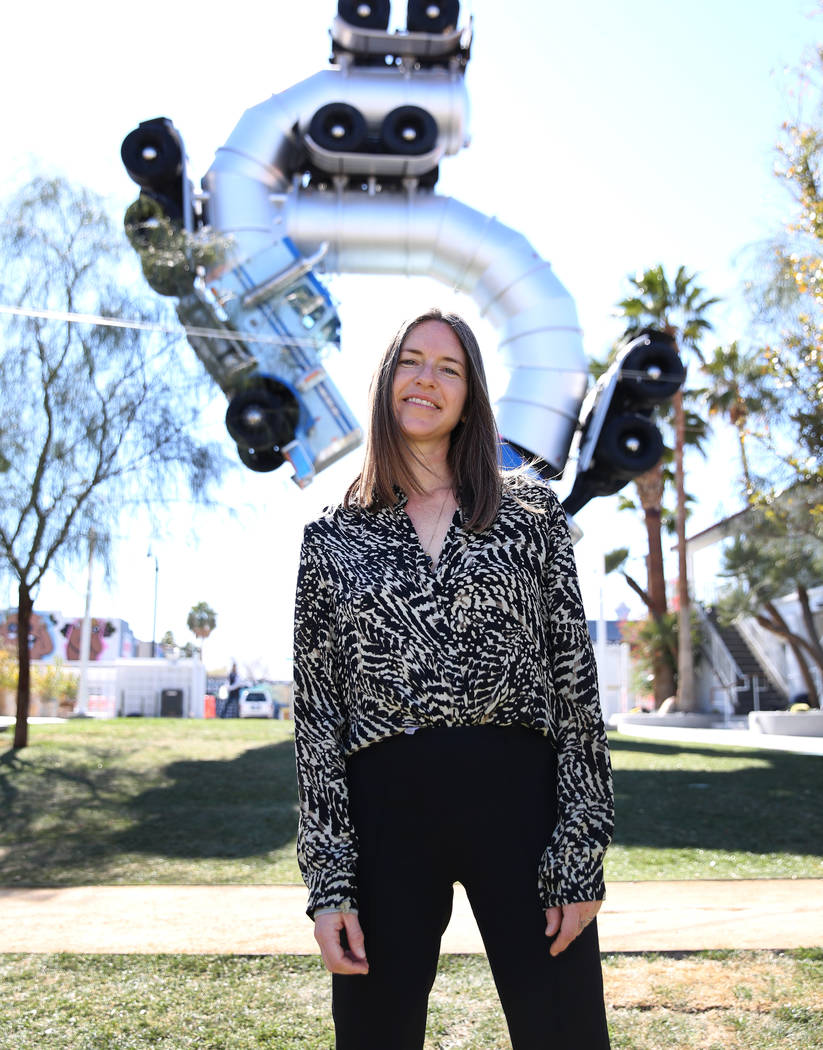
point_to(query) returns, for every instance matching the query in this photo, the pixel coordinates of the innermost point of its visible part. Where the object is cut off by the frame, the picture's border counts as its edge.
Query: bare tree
(98, 419)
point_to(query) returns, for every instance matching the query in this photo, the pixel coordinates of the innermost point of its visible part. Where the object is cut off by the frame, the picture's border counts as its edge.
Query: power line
(70, 317)
(225, 334)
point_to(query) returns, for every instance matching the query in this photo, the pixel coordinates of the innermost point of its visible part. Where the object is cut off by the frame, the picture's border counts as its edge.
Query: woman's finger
(354, 935)
(575, 918)
(328, 932)
(553, 919)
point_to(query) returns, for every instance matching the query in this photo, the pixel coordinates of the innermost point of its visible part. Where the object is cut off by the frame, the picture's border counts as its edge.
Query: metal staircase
(752, 685)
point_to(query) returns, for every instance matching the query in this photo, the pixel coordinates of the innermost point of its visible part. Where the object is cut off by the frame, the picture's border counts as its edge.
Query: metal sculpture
(337, 174)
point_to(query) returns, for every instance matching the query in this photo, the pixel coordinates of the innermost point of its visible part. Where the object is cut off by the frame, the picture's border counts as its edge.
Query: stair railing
(728, 675)
(757, 639)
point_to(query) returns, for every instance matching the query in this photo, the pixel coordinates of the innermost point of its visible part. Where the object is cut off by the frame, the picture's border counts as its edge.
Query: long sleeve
(326, 845)
(572, 866)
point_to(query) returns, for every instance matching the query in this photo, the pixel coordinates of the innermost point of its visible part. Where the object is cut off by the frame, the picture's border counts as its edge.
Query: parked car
(257, 702)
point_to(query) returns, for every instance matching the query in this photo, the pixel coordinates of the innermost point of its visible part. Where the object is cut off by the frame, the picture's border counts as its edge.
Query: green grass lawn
(137, 801)
(707, 1001)
(165, 801)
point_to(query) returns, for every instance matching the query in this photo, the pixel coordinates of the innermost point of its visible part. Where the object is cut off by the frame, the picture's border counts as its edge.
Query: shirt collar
(403, 499)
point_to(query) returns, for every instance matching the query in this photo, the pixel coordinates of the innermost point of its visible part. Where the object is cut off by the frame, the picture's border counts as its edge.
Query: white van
(257, 702)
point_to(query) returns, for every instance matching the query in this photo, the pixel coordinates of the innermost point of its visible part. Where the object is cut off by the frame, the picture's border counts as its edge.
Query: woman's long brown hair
(474, 456)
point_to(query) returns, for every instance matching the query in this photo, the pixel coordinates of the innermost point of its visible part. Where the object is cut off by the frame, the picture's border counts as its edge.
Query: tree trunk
(744, 460)
(686, 698)
(805, 671)
(650, 493)
(21, 727)
(808, 622)
(777, 625)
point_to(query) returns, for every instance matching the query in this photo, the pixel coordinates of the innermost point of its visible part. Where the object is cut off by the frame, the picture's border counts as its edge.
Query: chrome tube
(425, 234)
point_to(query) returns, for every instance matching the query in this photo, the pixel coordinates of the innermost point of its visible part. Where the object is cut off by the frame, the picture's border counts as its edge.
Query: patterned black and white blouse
(496, 634)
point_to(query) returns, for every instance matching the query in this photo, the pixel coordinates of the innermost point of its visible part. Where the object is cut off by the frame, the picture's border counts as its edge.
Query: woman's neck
(431, 471)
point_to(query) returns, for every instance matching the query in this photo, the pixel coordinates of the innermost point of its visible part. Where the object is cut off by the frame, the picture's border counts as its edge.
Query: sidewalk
(725, 737)
(263, 920)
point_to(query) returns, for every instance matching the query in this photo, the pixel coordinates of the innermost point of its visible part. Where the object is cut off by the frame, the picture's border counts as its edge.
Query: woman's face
(430, 384)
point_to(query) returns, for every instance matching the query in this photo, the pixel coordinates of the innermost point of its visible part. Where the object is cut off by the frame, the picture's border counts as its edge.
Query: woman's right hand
(328, 929)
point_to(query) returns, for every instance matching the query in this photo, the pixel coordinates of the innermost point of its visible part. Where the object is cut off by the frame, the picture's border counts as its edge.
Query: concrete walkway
(240, 920)
(724, 737)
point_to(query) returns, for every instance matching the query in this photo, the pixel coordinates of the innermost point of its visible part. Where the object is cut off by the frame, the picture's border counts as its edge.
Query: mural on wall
(54, 637)
(43, 634)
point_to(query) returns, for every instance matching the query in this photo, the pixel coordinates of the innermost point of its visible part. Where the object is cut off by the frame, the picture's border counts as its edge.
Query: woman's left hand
(568, 921)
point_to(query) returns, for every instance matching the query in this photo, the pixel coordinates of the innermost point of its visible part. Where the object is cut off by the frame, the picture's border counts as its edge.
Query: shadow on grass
(72, 815)
(80, 811)
(242, 807)
(770, 806)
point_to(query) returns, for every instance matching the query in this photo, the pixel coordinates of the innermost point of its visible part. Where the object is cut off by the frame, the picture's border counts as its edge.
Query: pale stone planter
(679, 719)
(787, 723)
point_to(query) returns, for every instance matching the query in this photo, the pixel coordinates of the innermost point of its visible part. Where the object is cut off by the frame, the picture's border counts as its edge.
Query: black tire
(152, 154)
(365, 14)
(628, 445)
(262, 417)
(431, 16)
(658, 370)
(408, 131)
(261, 460)
(338, 126)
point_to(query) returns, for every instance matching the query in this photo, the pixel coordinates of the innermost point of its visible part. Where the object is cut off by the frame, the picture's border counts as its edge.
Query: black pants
(474, 805)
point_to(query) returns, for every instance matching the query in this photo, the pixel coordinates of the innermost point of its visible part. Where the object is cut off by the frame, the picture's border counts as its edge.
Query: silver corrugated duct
(425, 234)
(259, 156)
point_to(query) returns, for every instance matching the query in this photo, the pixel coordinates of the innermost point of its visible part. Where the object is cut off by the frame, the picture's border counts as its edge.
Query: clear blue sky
(613, 135)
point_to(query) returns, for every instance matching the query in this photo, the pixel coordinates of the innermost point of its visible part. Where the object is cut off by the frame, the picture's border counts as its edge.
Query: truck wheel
(152, 154)
(658, 372)
(628, 445)
(260, 418)
(261, 460)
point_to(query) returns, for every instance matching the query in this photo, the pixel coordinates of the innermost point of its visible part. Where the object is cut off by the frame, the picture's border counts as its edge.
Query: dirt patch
(700, 984)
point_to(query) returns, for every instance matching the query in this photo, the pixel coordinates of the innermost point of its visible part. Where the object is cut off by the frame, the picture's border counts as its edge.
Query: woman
(447, 719)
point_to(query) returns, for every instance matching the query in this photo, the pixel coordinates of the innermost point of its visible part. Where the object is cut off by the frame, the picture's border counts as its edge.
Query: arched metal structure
(336, 174)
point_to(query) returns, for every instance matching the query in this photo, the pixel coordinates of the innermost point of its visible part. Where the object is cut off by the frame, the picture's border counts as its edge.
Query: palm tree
(677, 308)
(650, 487)
(738, 393)
(201, 621)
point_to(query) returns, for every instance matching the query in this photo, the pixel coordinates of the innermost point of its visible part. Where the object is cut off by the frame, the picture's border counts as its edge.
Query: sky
(614, 136)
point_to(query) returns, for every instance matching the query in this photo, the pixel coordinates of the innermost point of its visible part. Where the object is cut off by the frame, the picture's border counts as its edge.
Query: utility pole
(150, 554)
(85, 640)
